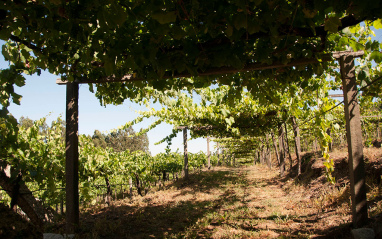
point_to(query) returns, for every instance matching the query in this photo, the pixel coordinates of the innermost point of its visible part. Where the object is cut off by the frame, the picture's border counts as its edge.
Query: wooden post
(268, 152)
(71, 168)
(258, 156)
(315, 145)
(218, 153)
(330, 146)
(131, 187)
(354, 139)
(62, 207)
(275, 146)
(282, 151)
(262, 157)
(185, 170)
(377, 130)
(296, 132)
(223, 155)
(287, 151)
(208, 154)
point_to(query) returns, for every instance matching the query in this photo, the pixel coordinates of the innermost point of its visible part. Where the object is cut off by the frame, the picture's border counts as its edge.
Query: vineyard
(43, 158)
(241, 201)
(258, 78)
(109, 180)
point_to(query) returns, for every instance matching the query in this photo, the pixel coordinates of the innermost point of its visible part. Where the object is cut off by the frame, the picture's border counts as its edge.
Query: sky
(42, 97)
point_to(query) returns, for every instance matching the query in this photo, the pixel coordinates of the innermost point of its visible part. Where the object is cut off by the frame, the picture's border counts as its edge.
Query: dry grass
(245, 202)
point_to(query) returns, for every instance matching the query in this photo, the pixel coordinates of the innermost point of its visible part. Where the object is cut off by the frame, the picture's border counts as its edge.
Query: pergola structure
(352, 116)
(166, 44)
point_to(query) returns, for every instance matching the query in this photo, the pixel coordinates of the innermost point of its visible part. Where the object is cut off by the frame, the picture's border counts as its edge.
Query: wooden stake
(275, 146)
(354, 139)
(208, 154)
(62, 207)
(185, 170)
(218, 153)
(130, 187)
(268, 152)
(296, 132)
(262, 156)
(71, 168)
(328, 131)
(287, 151)
(282, 150)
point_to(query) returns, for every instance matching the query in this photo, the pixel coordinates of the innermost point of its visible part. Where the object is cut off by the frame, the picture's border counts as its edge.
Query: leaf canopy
(158, 42)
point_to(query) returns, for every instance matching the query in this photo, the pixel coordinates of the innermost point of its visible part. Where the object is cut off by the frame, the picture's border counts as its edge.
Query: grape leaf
(376, 56)
(377, 24)
(332, 24)
(164, 17)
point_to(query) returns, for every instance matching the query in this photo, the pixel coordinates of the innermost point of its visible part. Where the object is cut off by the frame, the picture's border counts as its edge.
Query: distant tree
(144, 142)
(25, 122)
(99, 139)
(122, 140)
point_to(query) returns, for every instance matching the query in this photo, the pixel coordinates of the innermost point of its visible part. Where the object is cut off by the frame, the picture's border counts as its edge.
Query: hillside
(241, 202)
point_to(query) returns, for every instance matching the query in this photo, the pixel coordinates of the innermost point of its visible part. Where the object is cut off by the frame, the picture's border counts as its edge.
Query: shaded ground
(12, 225)
(245, 202)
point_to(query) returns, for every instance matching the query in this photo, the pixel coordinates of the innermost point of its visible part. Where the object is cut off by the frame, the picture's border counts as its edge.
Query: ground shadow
(158, 221)
(342, 231)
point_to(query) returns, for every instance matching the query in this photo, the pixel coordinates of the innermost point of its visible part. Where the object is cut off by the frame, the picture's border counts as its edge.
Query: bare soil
(242, 202)
(232, 202)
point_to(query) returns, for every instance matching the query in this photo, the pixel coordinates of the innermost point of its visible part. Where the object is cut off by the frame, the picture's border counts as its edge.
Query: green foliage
(122, 139)
(39, 153)
(157, 40)
(156, 43)
(25, 122)
(332, 24)
(8, 135)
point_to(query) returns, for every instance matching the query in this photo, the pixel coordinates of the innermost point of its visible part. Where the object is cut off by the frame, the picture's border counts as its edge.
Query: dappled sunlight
(246, 202)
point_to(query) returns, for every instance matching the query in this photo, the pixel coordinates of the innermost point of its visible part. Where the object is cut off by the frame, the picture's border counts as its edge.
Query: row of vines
(165, 51)
(40, 160)
(315, 131)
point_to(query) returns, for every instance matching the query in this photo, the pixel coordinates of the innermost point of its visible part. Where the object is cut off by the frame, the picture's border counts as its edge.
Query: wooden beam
(372, 116)
(71, 167)
(182, 127)
(336, 95)
(339, 54)
(218, 70)
(354, 139)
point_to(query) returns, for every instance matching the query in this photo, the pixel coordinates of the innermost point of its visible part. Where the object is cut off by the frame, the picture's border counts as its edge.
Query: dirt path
(247, 202)
(283, 209)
